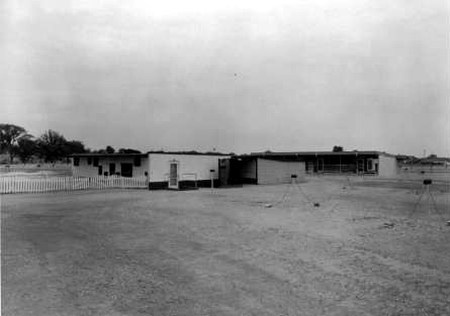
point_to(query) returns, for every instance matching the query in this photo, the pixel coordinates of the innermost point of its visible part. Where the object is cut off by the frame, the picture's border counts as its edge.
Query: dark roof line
(147, 153)
(323, 153)
(253, 154)
(109, 155)
(191, 153)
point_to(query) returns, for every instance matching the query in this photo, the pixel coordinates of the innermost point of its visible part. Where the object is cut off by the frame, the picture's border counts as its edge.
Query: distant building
(178, 170)
(327, 162)
(435, 161)
(172, 170)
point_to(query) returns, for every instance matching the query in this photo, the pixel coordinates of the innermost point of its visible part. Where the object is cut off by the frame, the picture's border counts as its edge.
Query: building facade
(346, 162)
(162, 170)
(176, 170)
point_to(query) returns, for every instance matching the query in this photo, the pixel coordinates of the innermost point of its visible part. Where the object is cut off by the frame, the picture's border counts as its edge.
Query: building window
(89, 160)
(76, 161)
(137, 161)
(95, 161)
(126, 170)
(369, 165)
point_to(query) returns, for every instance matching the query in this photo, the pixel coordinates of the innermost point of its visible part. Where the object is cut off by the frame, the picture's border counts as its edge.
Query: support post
(211, 173)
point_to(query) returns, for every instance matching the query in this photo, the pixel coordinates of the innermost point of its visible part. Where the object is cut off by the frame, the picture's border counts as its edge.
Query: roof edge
(314, 153)
(148, 153)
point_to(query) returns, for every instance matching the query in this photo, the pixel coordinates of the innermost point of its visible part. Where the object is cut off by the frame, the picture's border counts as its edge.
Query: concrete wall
(85, 170)
(199, 164)
(273, 172)
(387, 166)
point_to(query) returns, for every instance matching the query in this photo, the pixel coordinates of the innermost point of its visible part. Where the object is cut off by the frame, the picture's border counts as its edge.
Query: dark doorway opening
(112, 169)
(320, 165)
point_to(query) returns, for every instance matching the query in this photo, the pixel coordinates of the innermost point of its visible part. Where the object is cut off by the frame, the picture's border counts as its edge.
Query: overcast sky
(237, 76)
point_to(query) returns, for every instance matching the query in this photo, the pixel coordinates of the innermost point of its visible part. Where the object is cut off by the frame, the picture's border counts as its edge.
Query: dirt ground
(364, 249)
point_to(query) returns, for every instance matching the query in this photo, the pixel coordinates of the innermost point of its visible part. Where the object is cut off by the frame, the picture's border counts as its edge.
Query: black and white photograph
(225, 158)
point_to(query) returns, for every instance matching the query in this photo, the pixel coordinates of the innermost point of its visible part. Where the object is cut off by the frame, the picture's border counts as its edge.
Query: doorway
(112, 169)
(173, 175)
(360, 166)
(320, 165)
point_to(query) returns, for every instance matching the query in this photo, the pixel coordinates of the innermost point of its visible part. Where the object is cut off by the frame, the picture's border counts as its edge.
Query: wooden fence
(12, 184)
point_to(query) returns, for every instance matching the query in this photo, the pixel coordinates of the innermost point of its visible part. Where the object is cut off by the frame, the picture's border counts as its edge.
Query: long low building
(172, 170)
(175, 170)
(280, 167)
(346, 162)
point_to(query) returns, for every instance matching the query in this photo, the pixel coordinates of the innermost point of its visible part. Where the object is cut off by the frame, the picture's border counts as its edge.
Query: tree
(10, 134)
(128, 151)
(25, 149)
(52, 146)
(338, 149)
(110, 150)
(74, 147)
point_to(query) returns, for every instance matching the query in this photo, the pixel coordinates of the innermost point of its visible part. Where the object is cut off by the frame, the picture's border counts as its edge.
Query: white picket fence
(52, 184)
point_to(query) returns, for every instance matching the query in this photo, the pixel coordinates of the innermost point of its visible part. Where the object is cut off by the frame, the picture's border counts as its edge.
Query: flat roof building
(345, 162)
(171, 170)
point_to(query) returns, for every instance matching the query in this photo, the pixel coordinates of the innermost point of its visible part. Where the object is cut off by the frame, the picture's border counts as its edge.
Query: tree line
(51, 146)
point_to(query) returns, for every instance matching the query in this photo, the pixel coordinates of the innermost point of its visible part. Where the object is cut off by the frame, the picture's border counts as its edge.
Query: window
(89, 160)
(76, 161)
(372, 165)
(95, 161)
(137, 161)
(126, 170)
(369, 165)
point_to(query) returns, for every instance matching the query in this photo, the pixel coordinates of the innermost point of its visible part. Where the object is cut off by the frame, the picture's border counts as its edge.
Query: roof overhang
(319, 153)
(108, 155)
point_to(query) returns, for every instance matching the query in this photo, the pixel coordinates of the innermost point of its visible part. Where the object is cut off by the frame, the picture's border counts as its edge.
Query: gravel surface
(364, 249)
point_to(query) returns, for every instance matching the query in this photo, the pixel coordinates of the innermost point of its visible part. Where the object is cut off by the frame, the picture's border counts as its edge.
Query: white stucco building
(163, 170)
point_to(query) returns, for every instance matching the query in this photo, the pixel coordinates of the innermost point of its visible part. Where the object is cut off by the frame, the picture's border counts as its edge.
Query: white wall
(199, 164)
(85, 170)
(387, 166)
(273, 172)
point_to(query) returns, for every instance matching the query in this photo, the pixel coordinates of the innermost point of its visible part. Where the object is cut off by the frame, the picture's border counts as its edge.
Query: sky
(232, 76)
